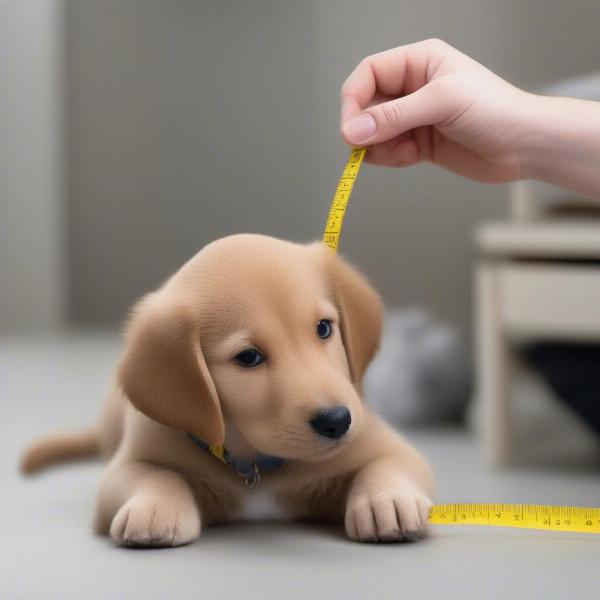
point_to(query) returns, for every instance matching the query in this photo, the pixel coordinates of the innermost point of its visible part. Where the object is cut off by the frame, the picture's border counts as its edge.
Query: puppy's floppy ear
(361, 313)
(163, 371)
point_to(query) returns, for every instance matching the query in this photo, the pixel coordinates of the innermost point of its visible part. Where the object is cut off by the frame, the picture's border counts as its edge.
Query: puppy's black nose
(332, 422)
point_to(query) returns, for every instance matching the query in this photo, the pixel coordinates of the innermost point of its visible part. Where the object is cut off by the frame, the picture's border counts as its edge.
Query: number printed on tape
(526, 516)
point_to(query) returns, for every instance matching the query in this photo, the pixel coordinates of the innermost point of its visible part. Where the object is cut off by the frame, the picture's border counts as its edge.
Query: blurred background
(136, 131)
(133, 132)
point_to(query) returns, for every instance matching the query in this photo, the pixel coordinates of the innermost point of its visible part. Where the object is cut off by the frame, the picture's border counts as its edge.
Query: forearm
(562, 144)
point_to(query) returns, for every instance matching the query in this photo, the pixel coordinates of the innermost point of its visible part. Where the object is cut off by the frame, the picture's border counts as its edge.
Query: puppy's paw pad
(143, 522)
(387, 517)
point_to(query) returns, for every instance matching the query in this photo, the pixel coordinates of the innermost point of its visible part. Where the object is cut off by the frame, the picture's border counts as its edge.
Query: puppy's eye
(324, 328)
(250, 357)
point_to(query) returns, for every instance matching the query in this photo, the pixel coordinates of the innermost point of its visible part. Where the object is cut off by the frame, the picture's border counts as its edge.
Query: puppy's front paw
(146, 522)
(387, 516)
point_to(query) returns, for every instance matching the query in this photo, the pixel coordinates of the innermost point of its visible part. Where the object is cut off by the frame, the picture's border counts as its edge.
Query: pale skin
(428, 102)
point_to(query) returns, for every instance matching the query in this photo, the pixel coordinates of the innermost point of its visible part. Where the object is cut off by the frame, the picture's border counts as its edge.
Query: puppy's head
(270, 336)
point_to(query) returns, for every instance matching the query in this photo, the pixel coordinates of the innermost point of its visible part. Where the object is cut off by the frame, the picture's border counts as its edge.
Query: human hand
(429, 102)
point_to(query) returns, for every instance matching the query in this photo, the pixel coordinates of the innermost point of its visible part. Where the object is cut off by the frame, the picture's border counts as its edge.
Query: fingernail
(360, 128)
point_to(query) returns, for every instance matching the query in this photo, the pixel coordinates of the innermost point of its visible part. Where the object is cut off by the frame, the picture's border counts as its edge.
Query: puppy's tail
(60, 448)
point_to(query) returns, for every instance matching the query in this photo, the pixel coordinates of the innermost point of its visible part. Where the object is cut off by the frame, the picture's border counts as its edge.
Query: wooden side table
(538, 281)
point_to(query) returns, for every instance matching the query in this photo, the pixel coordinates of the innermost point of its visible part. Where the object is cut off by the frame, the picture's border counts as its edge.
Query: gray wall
(32, 228)
(191, 120)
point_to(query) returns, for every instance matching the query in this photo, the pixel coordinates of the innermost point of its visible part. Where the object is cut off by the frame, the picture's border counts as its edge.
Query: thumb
(387, 120)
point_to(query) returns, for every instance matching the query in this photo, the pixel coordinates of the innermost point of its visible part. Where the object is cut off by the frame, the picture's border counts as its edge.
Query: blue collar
(249, 470)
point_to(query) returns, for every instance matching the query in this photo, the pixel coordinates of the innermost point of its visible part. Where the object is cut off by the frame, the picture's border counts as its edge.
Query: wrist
(561, 144)
(538, 140)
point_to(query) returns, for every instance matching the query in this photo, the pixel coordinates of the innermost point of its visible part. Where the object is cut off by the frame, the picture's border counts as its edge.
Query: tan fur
(177, 375)
(60, 448)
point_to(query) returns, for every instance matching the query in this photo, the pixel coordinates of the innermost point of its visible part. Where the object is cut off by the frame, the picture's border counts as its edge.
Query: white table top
(549, 239)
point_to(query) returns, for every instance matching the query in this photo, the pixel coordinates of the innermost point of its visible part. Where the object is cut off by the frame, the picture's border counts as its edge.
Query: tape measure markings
(526, 516)
(337, 209)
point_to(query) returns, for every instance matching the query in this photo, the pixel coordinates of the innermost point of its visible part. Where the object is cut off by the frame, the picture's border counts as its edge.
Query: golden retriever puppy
(240, 378)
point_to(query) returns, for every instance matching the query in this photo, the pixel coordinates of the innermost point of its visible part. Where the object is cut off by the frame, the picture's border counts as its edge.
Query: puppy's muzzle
(332, 422)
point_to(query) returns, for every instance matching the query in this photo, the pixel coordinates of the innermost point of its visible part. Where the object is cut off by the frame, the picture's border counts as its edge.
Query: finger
(374, 74)
(387, 72)
(399, 152)
(350, 108)
(429, 105)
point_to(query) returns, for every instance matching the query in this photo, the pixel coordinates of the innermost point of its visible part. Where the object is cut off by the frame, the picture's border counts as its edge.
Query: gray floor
(48, 550)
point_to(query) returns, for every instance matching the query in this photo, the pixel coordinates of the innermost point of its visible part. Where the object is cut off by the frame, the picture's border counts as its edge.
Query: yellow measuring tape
(527, 516)
(337, 209)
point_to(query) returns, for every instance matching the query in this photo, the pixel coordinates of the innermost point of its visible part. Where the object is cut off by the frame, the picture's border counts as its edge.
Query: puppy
(244, 371)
